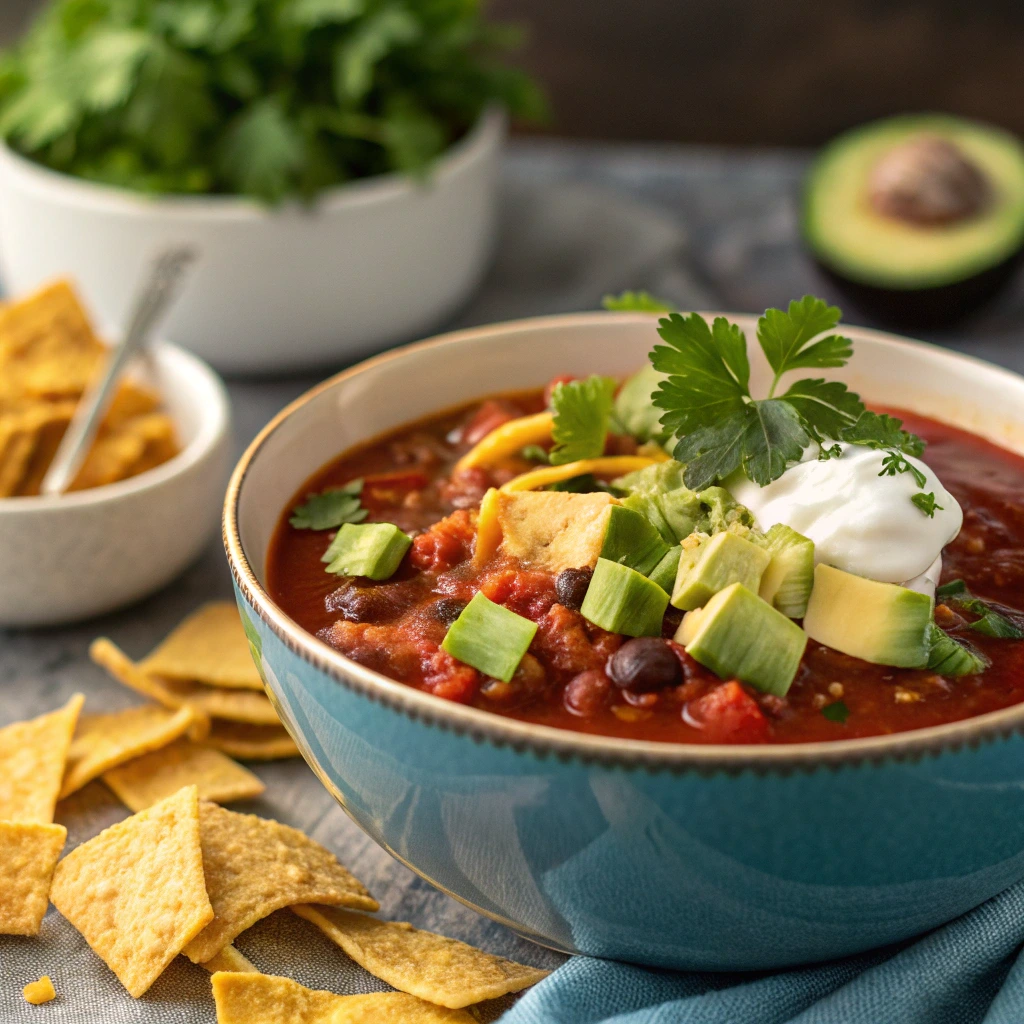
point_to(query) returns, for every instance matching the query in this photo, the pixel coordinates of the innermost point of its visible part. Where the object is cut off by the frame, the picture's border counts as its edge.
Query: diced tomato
(523, 591)
(445, 544)
(488, 417)
(728, 714)
(563, 378)
(445, 677)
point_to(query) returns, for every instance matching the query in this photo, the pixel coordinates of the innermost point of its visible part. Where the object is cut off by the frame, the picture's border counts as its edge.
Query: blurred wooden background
(776, 72)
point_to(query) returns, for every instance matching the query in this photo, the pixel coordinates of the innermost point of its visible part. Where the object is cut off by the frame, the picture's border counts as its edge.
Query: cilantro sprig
(330, 509)
(582, 416)
(707, 401)
(266, 98)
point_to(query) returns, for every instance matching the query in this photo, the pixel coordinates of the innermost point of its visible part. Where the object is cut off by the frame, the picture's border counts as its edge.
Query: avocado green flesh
(621, 600)
(739, 636)
(489, 638)
(631, 540)
(664, 573)
(877, 622)
(855, 241)
(786, 583)
(710, 564)
(948, 657)
(374, 550)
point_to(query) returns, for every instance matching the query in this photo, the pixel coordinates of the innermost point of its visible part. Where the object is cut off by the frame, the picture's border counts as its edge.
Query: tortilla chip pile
(184, 875)
(205, 669)
(49, 354)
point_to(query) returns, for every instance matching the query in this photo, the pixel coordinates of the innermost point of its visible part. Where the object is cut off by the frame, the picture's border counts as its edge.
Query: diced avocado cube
(490, 638)
(622, 600)
(710, 564)
(664, 573)
(951, 657)
(787, 582)
(374, 550)
(631, 540)
(739, 636)
(878, 622)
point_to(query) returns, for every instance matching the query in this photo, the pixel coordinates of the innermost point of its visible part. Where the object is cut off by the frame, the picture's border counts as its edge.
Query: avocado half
(917, 272)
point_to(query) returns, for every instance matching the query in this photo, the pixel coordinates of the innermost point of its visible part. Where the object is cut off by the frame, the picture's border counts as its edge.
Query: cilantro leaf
(314, 13)
(582, 411)
(714, 452)
(991, 623)
(636, 302)
(837, 711)
(708, 371)
(828, 405)
(261, 150)
(785, 337)
(895, 463)
(773, 436)
(878, 430)
(926, 503)
(330, 509)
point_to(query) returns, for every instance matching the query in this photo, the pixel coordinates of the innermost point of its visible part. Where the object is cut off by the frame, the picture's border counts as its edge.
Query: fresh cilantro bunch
(265, 98)
(708, 404)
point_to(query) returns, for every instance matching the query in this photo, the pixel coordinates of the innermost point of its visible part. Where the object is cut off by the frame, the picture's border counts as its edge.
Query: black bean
(361, 604)
(571, 586)
(644, 665)
(447, 610)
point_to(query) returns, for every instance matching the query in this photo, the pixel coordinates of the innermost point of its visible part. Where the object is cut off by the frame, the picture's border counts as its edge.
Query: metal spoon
(151, 301)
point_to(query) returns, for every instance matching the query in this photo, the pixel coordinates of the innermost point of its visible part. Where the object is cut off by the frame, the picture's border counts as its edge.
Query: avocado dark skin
(926, 308)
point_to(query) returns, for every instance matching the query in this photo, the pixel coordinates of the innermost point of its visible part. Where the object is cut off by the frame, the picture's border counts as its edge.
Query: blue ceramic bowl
(689, 857)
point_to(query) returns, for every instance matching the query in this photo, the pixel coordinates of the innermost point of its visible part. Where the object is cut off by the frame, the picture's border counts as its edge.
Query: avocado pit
(928, 181)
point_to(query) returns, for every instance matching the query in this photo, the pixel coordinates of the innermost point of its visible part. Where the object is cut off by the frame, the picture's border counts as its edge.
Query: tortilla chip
(255, 866)
(229, 959)
(132, 399)
(28, 856)
(103, 742)
(435, 968)
(39, 992)
(51, 425)
(205, 701)
(47, 345)
(136, 891)
(210, 647)
(32, 760)
(252, 742)
(17, 443)
(153, 777)
(109, 656)
(266, 999)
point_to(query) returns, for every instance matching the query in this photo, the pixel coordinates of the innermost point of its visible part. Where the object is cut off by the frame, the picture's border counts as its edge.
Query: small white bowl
(373, 262)
(85, 553)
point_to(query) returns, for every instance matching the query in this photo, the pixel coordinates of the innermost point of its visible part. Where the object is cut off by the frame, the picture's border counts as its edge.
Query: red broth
(396, 627)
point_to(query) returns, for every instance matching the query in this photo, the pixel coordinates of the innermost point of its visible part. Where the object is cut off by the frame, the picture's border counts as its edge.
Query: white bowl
(373, 262)
(82, 554)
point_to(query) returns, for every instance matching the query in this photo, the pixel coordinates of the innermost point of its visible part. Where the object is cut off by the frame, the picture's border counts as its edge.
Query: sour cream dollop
(859, 521)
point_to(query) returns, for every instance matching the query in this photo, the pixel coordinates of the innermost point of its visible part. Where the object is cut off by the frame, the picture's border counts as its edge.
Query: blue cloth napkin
(969, 972)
